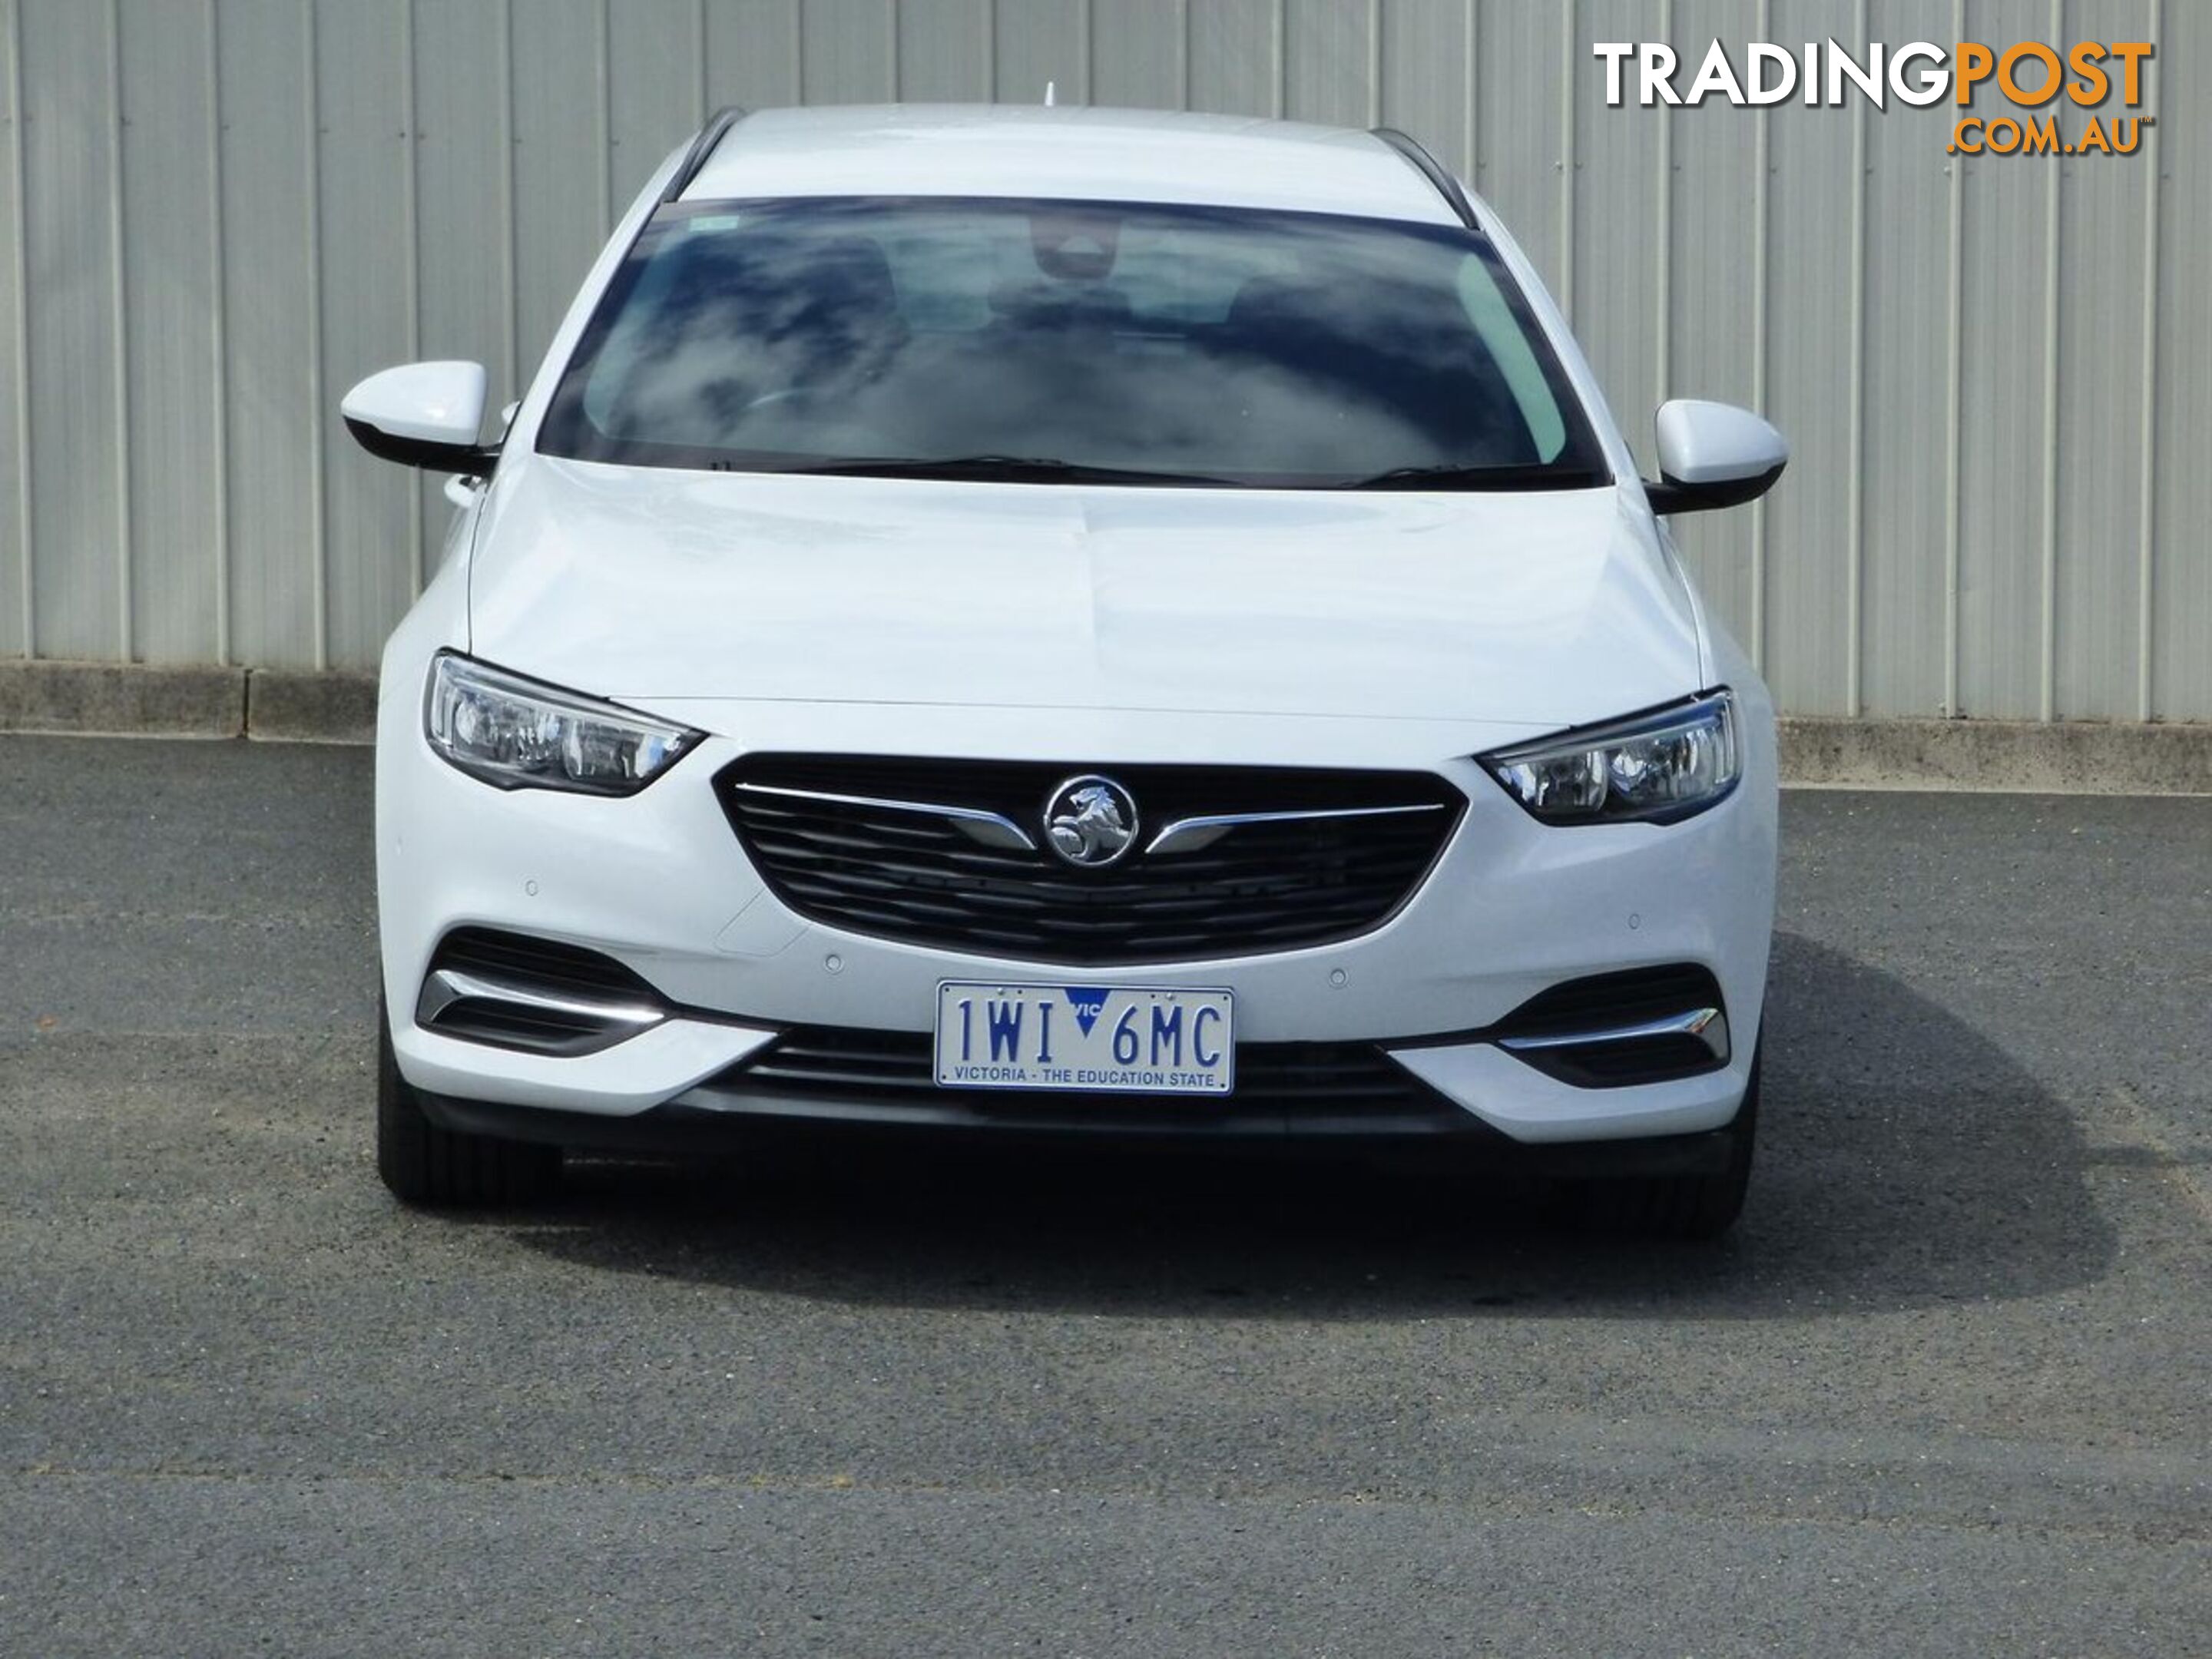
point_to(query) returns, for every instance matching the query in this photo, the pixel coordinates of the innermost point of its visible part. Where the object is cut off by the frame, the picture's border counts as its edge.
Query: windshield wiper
(1538, 476)
(993, 469)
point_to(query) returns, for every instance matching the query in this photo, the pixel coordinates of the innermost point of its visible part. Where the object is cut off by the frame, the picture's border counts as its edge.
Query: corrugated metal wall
(1998, 377)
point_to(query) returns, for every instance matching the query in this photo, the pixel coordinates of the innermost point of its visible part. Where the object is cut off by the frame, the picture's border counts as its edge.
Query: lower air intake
(1301, 1082)
(512, 990)
(1615, 1030)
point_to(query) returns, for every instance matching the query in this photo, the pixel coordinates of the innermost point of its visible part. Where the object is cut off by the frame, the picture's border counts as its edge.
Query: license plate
(1119, 1039)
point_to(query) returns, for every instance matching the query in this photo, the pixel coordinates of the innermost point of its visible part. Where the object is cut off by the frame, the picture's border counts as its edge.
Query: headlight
(1656, 768)
(518, 734)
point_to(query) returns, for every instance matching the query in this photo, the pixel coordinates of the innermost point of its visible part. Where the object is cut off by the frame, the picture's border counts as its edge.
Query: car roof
(1068, 153)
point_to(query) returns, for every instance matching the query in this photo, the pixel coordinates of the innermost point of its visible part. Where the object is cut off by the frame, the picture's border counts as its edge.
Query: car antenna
(1048, 94)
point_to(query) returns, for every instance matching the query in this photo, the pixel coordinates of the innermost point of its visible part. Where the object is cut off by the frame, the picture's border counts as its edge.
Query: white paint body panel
(1702, 442)
(439, 403)
(1352, 629)
(654, 1065)
(641, 583)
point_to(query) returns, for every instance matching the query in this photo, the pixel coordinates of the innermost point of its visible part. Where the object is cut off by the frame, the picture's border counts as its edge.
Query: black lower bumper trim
(707, 1122)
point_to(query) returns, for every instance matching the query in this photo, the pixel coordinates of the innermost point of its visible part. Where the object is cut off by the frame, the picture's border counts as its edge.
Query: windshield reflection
(1258, 347)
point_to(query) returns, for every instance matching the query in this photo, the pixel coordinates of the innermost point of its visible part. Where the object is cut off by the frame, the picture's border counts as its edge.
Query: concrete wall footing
(292, 705)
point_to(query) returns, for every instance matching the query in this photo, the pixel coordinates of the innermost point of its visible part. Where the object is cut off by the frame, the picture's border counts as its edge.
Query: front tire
(438, 1169)
(1688, 1207)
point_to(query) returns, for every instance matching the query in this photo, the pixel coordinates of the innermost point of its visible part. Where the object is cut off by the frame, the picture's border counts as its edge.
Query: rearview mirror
(424, 415)
(1713, 455)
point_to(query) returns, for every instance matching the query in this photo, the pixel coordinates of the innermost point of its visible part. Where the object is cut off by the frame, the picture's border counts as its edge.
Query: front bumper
(660, 883)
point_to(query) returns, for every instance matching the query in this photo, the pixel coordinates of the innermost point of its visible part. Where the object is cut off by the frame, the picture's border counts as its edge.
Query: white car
(1069, 622)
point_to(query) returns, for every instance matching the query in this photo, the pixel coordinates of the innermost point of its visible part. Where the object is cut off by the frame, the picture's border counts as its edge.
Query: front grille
(870, 865)
(1296, 1080)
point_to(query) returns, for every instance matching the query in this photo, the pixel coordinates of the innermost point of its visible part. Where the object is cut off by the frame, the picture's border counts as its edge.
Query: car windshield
(1038, 340)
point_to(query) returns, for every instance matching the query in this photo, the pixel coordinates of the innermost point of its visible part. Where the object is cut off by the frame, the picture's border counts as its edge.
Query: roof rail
(1433, 170)
(702, 146)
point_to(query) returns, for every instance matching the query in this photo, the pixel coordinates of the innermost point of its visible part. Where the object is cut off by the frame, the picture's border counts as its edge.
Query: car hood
(656, 585)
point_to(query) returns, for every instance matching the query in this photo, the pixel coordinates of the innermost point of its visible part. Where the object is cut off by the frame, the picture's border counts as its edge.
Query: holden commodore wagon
(1071, 623)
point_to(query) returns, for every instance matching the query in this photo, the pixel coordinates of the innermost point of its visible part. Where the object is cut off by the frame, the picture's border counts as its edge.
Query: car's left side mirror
(1713, 455)
(425, 415)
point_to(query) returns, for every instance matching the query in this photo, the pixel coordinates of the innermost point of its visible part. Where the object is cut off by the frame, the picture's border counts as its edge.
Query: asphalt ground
(1946, 1389)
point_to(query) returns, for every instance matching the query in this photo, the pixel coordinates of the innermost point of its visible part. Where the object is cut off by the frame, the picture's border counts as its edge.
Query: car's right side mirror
(423, 415)
(1713, 455)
